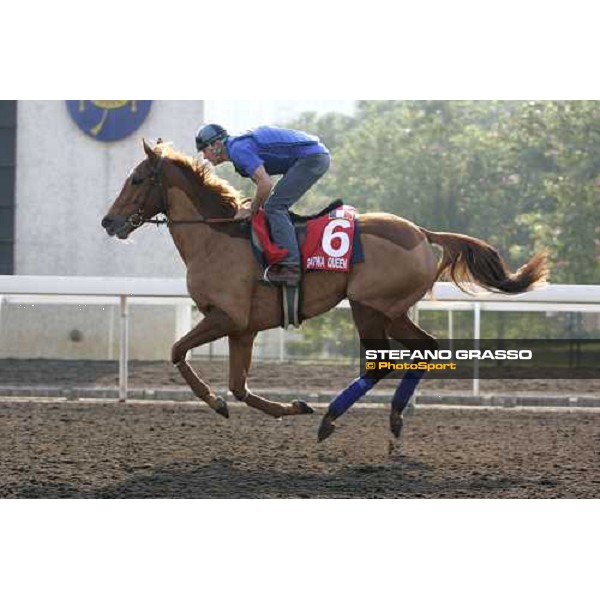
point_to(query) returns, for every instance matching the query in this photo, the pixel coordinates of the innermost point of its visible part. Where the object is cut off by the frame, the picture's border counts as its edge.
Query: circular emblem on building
(108, 120)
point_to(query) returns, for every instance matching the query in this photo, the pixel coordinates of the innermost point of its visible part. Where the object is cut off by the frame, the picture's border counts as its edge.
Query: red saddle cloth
(327, 245)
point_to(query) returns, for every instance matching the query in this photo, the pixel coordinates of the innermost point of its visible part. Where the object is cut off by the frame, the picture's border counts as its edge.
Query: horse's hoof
(391, 447)
(221, 407)
(302, 407)
(326, 429)
(396, 423)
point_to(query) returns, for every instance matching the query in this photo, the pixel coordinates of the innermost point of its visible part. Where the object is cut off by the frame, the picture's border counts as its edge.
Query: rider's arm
(264, 185)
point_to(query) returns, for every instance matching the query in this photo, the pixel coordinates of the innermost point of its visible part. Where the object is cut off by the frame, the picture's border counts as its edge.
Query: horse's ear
(148, 149)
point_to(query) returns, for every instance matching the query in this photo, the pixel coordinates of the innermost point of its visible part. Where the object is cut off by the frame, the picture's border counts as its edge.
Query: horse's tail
(469, 260)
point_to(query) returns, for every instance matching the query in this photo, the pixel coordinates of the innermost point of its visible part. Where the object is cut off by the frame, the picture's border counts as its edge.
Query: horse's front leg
(240, 358)
(215, 325)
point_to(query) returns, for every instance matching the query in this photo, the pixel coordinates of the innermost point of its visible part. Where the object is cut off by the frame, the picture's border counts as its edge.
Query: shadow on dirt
(221, 478)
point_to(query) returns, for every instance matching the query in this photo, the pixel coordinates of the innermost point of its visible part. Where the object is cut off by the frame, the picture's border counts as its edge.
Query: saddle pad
(327, 242)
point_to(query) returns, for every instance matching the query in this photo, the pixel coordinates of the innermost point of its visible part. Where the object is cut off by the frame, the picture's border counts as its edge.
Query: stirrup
(268, 280)
(289, 276)
(264, 280)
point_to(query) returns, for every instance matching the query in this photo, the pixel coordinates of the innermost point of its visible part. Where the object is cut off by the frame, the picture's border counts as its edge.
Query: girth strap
(290, 306)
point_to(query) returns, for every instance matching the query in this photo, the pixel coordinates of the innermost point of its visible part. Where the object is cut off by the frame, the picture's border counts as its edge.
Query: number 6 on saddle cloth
(328, 241)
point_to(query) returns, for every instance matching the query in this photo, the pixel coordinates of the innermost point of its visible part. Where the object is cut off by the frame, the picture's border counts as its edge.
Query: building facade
(57, 181)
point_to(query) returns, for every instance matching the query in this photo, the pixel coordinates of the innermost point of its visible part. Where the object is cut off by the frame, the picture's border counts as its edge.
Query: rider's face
(214, 153)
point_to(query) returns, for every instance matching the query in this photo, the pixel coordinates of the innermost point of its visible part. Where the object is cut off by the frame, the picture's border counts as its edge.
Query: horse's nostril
(106, 222)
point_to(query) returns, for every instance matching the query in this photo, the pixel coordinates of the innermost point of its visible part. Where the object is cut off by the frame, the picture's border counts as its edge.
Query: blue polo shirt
(275, 148)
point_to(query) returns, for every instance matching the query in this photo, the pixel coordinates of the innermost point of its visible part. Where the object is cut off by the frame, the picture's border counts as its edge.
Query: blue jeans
(303, 174)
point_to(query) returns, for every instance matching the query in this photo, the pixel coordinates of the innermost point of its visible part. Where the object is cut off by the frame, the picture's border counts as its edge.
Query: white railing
(445, 296)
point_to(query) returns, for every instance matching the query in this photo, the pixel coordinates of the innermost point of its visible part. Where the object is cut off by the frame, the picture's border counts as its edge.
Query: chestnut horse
(223, 277)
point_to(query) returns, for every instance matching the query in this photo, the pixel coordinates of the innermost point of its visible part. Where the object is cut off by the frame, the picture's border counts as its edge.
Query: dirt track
(184, 450)
(81, 450)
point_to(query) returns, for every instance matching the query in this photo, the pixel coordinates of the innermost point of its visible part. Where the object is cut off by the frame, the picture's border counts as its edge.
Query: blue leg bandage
(406, 389)
(357, 389)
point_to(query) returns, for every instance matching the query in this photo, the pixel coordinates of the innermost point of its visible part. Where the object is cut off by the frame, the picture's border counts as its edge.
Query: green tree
(559, 142)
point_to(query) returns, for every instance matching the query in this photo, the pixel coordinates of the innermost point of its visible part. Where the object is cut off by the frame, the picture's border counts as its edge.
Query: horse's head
(144, 193)
(141, 197)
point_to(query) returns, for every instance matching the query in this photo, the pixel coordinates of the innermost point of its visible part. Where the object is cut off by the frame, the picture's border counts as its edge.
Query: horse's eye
(136, 180)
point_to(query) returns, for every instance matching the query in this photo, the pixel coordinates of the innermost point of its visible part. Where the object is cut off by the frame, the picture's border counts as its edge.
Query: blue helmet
(208, 134)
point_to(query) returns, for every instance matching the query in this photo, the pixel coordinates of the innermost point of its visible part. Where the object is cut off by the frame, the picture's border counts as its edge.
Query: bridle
(137, 219)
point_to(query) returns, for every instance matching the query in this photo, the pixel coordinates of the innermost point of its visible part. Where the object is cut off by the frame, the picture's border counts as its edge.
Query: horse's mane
(204, 178)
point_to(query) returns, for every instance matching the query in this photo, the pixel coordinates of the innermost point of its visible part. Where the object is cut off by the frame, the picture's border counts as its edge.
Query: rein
(137, 219)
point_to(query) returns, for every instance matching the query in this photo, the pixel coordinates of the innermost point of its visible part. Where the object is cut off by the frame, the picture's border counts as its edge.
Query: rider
(259, 153)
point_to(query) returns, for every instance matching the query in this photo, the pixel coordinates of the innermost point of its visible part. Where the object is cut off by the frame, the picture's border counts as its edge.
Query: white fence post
(124, 350)
(476, 336)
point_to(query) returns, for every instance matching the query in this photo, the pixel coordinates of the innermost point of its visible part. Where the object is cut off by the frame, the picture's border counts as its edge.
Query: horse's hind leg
(370, 324)
(240, 357)
(403, 330)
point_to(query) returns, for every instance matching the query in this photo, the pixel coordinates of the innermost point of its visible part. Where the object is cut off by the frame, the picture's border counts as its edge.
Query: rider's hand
(255, 206)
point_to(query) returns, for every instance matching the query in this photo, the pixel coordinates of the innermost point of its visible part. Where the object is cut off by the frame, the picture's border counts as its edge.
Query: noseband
(137, 219)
